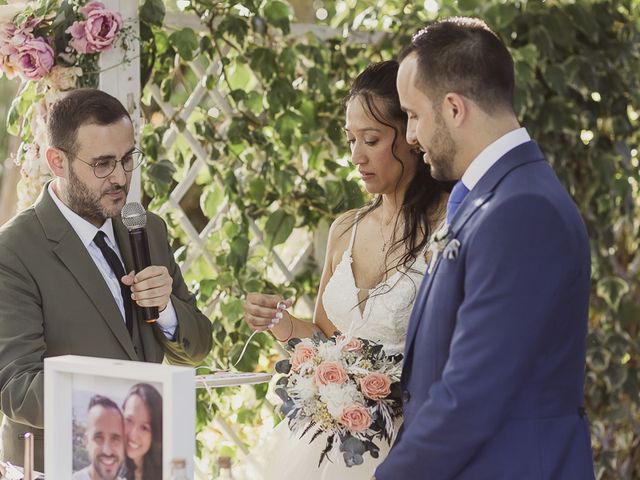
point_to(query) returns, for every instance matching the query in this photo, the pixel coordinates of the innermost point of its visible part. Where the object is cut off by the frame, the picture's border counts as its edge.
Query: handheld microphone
(134, 218)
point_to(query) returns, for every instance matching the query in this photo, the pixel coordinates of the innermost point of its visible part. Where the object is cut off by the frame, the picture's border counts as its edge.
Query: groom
(495, 354)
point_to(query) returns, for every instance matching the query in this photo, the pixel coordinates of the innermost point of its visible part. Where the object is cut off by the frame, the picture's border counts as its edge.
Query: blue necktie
(455, 199)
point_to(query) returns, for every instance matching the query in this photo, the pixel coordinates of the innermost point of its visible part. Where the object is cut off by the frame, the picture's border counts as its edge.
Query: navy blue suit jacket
(495, 355)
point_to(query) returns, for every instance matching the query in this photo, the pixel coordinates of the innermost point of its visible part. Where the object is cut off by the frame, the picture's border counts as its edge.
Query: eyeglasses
(105, 167)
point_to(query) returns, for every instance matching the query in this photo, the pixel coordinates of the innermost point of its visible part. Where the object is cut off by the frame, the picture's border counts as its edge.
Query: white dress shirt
(168, 320)
(491, 154)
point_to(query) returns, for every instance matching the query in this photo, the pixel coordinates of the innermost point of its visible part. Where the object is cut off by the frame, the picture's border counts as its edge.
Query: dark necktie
(117, 268)
(455, 199)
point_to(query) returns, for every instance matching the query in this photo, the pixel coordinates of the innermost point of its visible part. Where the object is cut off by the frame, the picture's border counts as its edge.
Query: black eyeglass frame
(115, 163)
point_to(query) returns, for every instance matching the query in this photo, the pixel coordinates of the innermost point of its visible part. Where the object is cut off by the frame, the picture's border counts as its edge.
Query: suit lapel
(73, 254)
(525, 153)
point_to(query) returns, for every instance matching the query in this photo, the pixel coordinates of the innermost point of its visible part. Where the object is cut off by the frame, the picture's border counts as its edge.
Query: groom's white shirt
(491, 154)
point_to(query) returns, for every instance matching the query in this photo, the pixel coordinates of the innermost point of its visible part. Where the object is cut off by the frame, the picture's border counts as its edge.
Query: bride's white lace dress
(384, 319)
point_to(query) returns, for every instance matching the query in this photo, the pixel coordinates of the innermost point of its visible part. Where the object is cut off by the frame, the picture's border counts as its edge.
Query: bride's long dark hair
(376, 86)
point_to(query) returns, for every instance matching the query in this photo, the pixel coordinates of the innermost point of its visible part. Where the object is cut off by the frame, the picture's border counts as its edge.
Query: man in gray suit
(63, 286)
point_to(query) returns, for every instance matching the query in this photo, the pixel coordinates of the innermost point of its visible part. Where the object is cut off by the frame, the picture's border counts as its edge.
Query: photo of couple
(117, 434)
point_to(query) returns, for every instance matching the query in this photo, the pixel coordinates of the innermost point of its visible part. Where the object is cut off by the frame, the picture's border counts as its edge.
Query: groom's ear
(454, 109)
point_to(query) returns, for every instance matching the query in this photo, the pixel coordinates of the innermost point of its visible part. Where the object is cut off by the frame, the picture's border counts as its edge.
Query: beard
(97, 468)
(88, 204)
(442, 152)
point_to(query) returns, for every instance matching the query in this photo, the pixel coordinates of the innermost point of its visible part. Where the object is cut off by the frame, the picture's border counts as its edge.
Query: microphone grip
(141, 260)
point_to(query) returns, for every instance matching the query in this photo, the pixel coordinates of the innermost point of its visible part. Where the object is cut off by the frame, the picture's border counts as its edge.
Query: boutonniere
(442, 243)
(438, 242)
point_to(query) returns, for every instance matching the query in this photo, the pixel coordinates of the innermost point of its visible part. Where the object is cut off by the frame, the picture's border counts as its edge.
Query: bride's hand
(261, 310)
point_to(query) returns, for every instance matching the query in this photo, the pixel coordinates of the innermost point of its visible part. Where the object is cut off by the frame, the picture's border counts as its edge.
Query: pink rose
(98, 32)
(353, 345)
(302, 354)
(355, 417)
(375, 386)
(34, 59)
(330, 372)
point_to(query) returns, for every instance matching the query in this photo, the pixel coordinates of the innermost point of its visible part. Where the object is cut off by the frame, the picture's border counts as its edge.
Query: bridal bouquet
(346, 388)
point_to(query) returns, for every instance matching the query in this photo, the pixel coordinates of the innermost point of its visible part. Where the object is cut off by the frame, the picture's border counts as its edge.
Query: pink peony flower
(34, 59)
(375, 386)
(98, 32)
(330, 372)
(302, 354)
(356, 418)
(353, 345)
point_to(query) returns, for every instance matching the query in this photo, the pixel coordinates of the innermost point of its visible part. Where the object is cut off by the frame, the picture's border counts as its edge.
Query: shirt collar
(491, 154)
(85, 230)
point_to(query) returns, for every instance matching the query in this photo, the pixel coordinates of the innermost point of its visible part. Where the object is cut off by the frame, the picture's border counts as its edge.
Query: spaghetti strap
(353, 232)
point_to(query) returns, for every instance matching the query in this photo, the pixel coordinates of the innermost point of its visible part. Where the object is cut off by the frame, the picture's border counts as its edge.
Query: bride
(374, 265)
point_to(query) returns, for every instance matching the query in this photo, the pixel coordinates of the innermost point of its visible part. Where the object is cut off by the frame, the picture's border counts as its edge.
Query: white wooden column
(120, 75)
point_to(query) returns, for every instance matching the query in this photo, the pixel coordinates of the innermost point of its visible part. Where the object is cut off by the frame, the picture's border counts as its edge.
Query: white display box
(73, 383)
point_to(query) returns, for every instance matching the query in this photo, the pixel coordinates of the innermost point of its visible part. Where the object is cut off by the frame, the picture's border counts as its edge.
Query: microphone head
(134, 216)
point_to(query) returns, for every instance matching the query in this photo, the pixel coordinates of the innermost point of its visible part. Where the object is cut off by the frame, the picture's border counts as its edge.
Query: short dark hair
(102, 401)
(81, 107)
(462, 55)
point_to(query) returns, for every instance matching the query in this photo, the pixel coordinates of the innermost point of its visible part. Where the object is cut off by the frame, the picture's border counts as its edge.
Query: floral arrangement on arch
(51, 47)
(345, 388)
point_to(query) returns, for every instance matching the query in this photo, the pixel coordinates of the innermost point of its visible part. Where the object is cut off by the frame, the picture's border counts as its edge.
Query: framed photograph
(113, 419)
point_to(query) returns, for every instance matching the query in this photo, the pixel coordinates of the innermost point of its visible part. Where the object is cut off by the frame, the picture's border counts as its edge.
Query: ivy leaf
(277, 13)
(611, 290)
(263, 61)
(152, 12)
(161, 172)
(211, 199)
(278, 227)
(239, 252)
(257, 189)
(185, 42)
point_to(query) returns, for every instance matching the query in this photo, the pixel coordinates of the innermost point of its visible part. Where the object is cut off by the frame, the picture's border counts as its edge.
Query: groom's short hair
(462, 55)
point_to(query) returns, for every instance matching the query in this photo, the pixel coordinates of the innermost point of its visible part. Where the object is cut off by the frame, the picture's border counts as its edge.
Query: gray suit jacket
(54, 301)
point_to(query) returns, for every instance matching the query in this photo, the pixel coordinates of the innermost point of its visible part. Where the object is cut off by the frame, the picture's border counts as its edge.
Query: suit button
(406, 396)
(185, 343)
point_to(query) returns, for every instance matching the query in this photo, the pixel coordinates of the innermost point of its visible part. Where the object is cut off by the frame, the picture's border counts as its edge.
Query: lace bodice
(385, 318)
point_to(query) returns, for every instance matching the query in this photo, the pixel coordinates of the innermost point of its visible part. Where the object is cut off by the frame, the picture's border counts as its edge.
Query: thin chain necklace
(385, 242)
